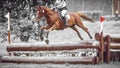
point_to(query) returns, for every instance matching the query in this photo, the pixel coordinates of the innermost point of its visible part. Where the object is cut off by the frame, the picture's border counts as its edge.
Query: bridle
(41, 11)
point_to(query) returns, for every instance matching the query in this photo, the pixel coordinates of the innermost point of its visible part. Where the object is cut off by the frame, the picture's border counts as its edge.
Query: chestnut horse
(54, 22)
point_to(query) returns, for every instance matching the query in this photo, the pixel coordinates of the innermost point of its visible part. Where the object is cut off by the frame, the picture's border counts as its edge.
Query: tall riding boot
(64, 20)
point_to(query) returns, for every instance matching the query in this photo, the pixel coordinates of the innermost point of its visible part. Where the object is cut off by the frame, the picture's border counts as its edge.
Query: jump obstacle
(74, 57)
(111, 47)
(27, 53)
(14, 58)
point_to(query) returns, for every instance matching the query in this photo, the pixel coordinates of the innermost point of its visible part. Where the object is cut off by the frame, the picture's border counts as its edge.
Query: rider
(61, 7)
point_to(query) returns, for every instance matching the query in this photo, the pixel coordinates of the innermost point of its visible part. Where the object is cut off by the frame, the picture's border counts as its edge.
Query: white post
(8, 21)
(112, 8)
(8, 17)
(83, 5)
(118, 6)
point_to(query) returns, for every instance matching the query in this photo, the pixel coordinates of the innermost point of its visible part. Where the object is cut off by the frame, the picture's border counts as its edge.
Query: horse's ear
(39, 6)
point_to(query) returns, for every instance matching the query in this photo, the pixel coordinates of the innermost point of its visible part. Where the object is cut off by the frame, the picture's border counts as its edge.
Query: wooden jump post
(107, 48)
(8, 17)
(114, 44)
(101, 40)
(101, 48)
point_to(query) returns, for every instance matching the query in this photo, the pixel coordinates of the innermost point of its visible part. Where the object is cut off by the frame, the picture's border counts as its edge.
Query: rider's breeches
(64, 14)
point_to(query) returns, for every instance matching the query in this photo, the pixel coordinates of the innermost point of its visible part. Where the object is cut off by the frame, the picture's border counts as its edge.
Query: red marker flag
(102, 19)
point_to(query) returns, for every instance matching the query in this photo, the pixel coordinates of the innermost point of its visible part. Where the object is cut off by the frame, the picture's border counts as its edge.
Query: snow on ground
(13, 65)
(68, 36)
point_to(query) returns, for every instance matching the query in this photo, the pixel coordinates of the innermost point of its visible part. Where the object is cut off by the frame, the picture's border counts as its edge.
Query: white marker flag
(8, 17)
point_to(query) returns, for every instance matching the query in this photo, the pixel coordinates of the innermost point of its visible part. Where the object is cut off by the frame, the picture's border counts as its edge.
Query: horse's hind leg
(76, 30)
(86, 30)
(80, 24)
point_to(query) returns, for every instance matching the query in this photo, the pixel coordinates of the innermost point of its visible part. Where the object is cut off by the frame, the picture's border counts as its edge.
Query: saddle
(64, 19)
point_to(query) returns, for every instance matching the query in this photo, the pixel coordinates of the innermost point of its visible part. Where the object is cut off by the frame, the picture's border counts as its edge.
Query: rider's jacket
(56, 4)
(61, 5)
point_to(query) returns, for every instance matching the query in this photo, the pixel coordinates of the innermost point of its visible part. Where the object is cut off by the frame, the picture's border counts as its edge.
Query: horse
(54, 22)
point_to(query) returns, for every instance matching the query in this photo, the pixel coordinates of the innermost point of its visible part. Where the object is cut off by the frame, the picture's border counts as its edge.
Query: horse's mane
(51, 12)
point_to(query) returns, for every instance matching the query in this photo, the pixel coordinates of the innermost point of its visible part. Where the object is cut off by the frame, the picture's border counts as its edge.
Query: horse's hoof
(93, 20)
(47, 41)
(82, 39)
(41, 38)
(90, 37)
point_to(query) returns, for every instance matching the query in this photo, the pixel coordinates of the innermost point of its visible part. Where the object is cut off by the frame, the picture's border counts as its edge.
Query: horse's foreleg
(45, 27)
(47, 33)
(46, 37)
(41, 34)
(76, 30)
(52, 28)
(42, 30)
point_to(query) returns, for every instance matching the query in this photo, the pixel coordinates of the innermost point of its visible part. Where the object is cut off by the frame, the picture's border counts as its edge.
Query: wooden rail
(50, 47)
(55, 60)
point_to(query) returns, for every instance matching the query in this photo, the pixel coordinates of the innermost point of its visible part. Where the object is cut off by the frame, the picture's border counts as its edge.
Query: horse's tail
(85, 17)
